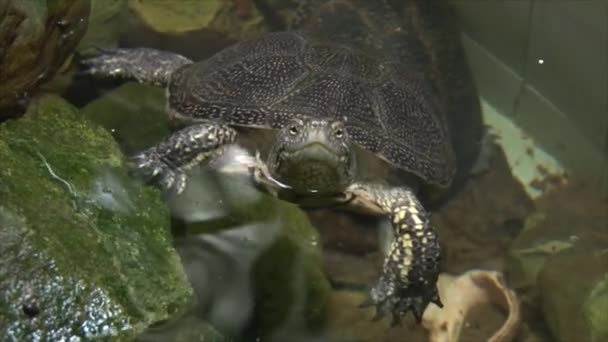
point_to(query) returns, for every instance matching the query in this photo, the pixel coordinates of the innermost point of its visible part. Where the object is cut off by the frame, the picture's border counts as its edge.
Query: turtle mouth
(314, 153)
(312, 168)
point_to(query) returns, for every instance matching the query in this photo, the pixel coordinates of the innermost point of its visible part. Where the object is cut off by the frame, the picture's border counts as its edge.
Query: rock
(35, 41)
(561, 256)
(86, 252)
(188, 328)
(134, 113)
(556, 227)
(290, 286)
(537, 242)
(254, 261)
(106, 23)
(573, 288)
(596, 307)
(195, 29)
(230, 19)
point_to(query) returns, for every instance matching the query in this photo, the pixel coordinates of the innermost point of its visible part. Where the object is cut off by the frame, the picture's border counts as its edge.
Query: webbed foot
(144, 65)
(169, 160)
(151, 166)
(394, 297)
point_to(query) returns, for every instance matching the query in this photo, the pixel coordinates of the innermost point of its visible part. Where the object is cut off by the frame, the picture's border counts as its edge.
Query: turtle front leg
(181, 151)
(144, 65)
(409, 276)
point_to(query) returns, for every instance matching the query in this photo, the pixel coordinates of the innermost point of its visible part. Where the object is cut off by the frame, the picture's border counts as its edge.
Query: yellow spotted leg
(411, 267)
(171, 158)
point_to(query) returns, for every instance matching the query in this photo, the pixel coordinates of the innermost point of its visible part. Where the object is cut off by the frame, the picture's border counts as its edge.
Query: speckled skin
(391, 73)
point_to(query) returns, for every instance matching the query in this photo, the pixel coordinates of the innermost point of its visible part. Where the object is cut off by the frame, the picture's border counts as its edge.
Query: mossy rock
(573, 288)
(36, 38)
(227, 18)
(544, 235)
(290, 285)
(188, 328)
(561, 258)
(135, 114)
(106, 24)
(86, 252)
(290, 290)
(538, 241)
(292, 257)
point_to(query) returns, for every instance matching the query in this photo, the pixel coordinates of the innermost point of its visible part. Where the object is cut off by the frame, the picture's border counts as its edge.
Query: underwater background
(90, 251)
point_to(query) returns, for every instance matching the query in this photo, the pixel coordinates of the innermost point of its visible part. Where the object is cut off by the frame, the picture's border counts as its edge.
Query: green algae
(290, 288)
(596, 308)
(36, 38)
(134, 112)
(576, 310)
(288, 276)
(106, 23)
(89, 248)
(215, 16)
(291, 264)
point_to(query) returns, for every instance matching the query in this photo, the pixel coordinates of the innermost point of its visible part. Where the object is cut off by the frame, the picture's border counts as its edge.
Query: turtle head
(312, 156)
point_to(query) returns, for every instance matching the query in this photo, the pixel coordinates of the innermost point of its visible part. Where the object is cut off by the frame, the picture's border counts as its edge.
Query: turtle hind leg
(411, 267)
(148, 66)
(169, 160)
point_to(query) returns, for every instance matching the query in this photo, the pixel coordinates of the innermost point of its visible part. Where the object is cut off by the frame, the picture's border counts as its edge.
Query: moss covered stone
(85, 251)
(291, 288)
(574, 293)
(596, 308)
(289, 285)
(134, 112)
(36, 38)
(217, 16)
(561, 256)
(106, 23)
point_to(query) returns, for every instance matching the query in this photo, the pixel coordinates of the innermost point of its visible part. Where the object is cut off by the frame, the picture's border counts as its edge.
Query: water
(524, 240)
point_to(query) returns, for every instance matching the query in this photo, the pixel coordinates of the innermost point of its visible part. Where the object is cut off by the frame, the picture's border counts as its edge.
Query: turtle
(364, 104)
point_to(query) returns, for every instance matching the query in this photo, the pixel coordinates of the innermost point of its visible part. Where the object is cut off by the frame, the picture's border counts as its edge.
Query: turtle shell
(363, 65)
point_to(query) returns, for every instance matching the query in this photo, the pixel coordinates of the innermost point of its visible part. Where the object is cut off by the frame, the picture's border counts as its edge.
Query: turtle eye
(339, 132)
(293, 130)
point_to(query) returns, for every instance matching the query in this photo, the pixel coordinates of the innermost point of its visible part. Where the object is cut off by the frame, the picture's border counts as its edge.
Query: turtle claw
(104, 63)
(181, 183)
(173, 180)
(399, 299)
(436, 300)
(150, 165)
